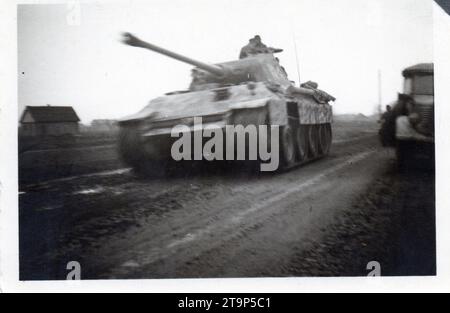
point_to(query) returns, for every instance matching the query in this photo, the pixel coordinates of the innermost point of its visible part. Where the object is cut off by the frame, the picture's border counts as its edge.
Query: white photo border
(9, 242)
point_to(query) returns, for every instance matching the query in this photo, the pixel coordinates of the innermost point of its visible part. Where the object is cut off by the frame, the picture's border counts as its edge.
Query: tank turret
(262, 67)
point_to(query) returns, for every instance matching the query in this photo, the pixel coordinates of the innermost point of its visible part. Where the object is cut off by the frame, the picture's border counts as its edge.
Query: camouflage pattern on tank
(204, 103)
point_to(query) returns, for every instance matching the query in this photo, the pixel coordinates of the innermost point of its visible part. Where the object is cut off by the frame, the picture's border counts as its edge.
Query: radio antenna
(296, 58)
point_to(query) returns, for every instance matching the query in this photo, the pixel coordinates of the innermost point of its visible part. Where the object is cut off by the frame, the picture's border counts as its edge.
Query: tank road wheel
(132, 152)
(287, 146)
(324, 139)
(313, 141)
(302, 142)
(130, 147)
(329, 136)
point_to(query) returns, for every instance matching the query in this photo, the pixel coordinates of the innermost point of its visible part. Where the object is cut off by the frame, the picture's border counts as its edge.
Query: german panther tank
(254, 90)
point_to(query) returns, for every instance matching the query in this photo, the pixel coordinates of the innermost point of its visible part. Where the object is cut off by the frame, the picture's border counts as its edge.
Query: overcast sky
(340, 44)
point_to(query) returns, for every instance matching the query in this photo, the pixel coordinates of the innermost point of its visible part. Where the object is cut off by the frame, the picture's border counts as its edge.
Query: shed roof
(51, 114)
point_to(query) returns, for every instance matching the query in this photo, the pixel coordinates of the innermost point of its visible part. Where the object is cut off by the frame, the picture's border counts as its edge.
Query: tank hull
(303, 126)
(143, 152)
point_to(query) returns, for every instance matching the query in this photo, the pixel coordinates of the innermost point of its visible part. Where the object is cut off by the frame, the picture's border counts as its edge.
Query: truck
(409, 126)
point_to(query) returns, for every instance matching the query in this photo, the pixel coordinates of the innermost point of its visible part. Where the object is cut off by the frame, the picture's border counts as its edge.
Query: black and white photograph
(226, 139)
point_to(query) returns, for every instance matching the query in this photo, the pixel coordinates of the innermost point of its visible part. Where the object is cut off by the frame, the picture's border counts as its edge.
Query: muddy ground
(328, 218)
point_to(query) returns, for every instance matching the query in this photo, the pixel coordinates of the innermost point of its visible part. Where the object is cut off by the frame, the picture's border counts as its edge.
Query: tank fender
(253, 112)
(249, 116)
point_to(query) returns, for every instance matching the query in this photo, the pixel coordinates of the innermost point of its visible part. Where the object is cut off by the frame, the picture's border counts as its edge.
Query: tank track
(299, 144)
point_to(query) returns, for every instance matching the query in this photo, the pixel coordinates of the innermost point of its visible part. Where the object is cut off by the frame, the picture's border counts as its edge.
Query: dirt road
(223, 224)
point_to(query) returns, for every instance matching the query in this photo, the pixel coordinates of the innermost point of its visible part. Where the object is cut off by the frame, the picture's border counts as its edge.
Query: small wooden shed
(49, 121)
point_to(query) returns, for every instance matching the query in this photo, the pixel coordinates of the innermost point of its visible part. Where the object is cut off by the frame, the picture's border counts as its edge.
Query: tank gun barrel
(134, 41)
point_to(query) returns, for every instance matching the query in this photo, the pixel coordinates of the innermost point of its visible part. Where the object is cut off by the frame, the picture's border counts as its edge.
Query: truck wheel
(287, 146)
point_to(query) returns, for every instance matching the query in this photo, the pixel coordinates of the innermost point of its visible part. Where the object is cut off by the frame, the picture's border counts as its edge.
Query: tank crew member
(258, 43)
(255, 46)
(262, 48)
(248, 49)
